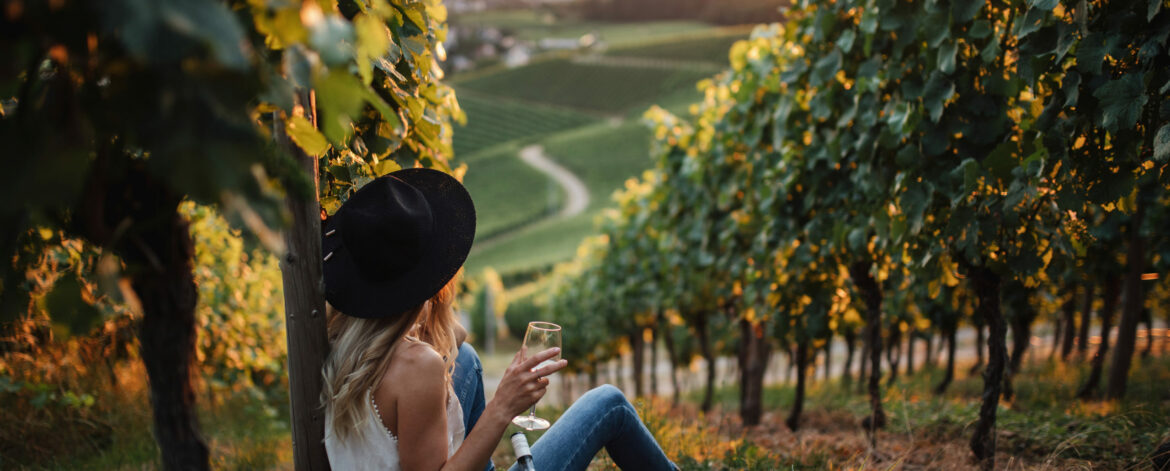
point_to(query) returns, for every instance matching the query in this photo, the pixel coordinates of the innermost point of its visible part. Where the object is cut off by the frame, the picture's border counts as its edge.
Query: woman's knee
(608, 396)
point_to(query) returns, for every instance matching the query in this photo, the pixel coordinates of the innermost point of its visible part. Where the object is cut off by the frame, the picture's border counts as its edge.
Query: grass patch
(603, 156)
(533, 24)
(242, 435)
(592, 88)
(507, 192)
(1044, 426)
(539, 245)
(699, 47)
(243, 432)
(492, 121)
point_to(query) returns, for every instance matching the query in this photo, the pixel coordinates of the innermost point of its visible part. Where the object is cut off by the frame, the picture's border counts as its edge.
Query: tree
(119, 110)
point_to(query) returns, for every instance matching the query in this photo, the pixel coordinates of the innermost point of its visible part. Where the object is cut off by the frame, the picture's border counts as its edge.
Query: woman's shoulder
(414, 360)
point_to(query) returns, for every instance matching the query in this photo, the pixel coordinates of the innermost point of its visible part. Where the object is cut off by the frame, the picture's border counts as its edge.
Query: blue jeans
(467, 380)
(601, 418)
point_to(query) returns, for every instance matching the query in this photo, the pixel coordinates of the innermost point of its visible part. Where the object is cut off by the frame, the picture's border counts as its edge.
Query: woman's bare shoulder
(413, 362)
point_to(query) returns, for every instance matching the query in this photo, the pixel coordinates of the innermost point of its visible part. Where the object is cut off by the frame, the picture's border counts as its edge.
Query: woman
(402, 390)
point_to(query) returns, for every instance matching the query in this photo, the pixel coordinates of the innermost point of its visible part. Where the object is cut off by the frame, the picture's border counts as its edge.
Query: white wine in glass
(540, 336)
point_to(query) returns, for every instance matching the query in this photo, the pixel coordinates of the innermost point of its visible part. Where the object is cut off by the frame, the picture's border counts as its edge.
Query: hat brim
(454, 230)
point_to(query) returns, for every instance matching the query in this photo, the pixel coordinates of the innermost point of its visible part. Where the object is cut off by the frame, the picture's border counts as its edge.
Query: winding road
(577, 195)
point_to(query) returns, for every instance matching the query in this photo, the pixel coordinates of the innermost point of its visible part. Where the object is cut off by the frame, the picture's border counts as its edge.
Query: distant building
(486, 51)
(461, 63)
(558, 44)
(517, 56)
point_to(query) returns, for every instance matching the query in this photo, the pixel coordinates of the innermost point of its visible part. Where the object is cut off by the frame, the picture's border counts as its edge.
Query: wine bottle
(523, 453)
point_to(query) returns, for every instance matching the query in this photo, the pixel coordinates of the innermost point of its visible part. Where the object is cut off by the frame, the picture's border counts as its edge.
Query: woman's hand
(521, 387)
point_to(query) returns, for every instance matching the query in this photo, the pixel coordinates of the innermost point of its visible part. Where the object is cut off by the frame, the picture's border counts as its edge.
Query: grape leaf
(1121, 101)
(946, 57)
(306, 136)
(938, 90)
(1162, 144)
(964, 11)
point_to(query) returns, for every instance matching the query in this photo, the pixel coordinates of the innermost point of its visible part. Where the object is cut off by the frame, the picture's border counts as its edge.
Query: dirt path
(577, 195)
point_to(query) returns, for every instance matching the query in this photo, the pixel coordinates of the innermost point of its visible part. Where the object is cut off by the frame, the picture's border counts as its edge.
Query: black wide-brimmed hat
(396, 242)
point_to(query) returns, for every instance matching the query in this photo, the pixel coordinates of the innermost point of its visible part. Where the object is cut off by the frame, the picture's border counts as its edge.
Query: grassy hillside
(589, 87)
(711, 47)
(560, 103)
(603, 156)
(535, 25)
(507, 192)
(492, 121)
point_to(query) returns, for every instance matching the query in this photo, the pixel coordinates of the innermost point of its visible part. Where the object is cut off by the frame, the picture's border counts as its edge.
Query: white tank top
(376, 448)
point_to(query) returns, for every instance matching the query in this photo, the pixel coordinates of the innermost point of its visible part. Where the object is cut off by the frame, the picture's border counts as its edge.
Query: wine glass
(540, 336)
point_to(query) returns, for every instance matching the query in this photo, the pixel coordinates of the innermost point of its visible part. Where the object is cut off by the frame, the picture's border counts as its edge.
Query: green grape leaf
(845, 42)
(938, 90)
(1070, 85)
(857, 239)
(869, 20)
(826, 21)
(946, 57)
(1091, 53)
(162, 31)
(332, 38)
(898, 119)
(970, 171)
(826, 68)
(907, 156)
(1066, 37)
(980, 29)
(1030, 23)
(991, 51)
(963, 11)
(1162, 144)
(936, 29)
(1121, 101)
(1045, 5)
(1002, 160)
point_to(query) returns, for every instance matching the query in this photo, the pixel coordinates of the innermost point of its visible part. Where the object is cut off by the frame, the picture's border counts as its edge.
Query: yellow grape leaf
(373, 41)
(749, 314)
(437, 11)
(460, 171)
(288, 27)
(306, 136)
(384, 167)
(416, 15)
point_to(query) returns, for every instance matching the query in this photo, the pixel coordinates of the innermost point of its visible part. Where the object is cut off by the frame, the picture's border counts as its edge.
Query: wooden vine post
(304, 309)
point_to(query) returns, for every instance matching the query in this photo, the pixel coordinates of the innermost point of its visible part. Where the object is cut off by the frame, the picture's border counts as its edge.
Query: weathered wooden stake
(304, 311)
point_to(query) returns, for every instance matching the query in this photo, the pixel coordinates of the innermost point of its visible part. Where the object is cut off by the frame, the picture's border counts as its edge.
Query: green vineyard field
(492, 121)
(587, 87)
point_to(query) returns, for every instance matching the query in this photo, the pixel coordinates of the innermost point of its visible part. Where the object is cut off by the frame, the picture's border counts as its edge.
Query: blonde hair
(362, 349)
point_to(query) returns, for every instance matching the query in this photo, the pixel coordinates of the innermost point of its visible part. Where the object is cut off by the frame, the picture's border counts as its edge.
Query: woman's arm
(519, 389)
(422, 413)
